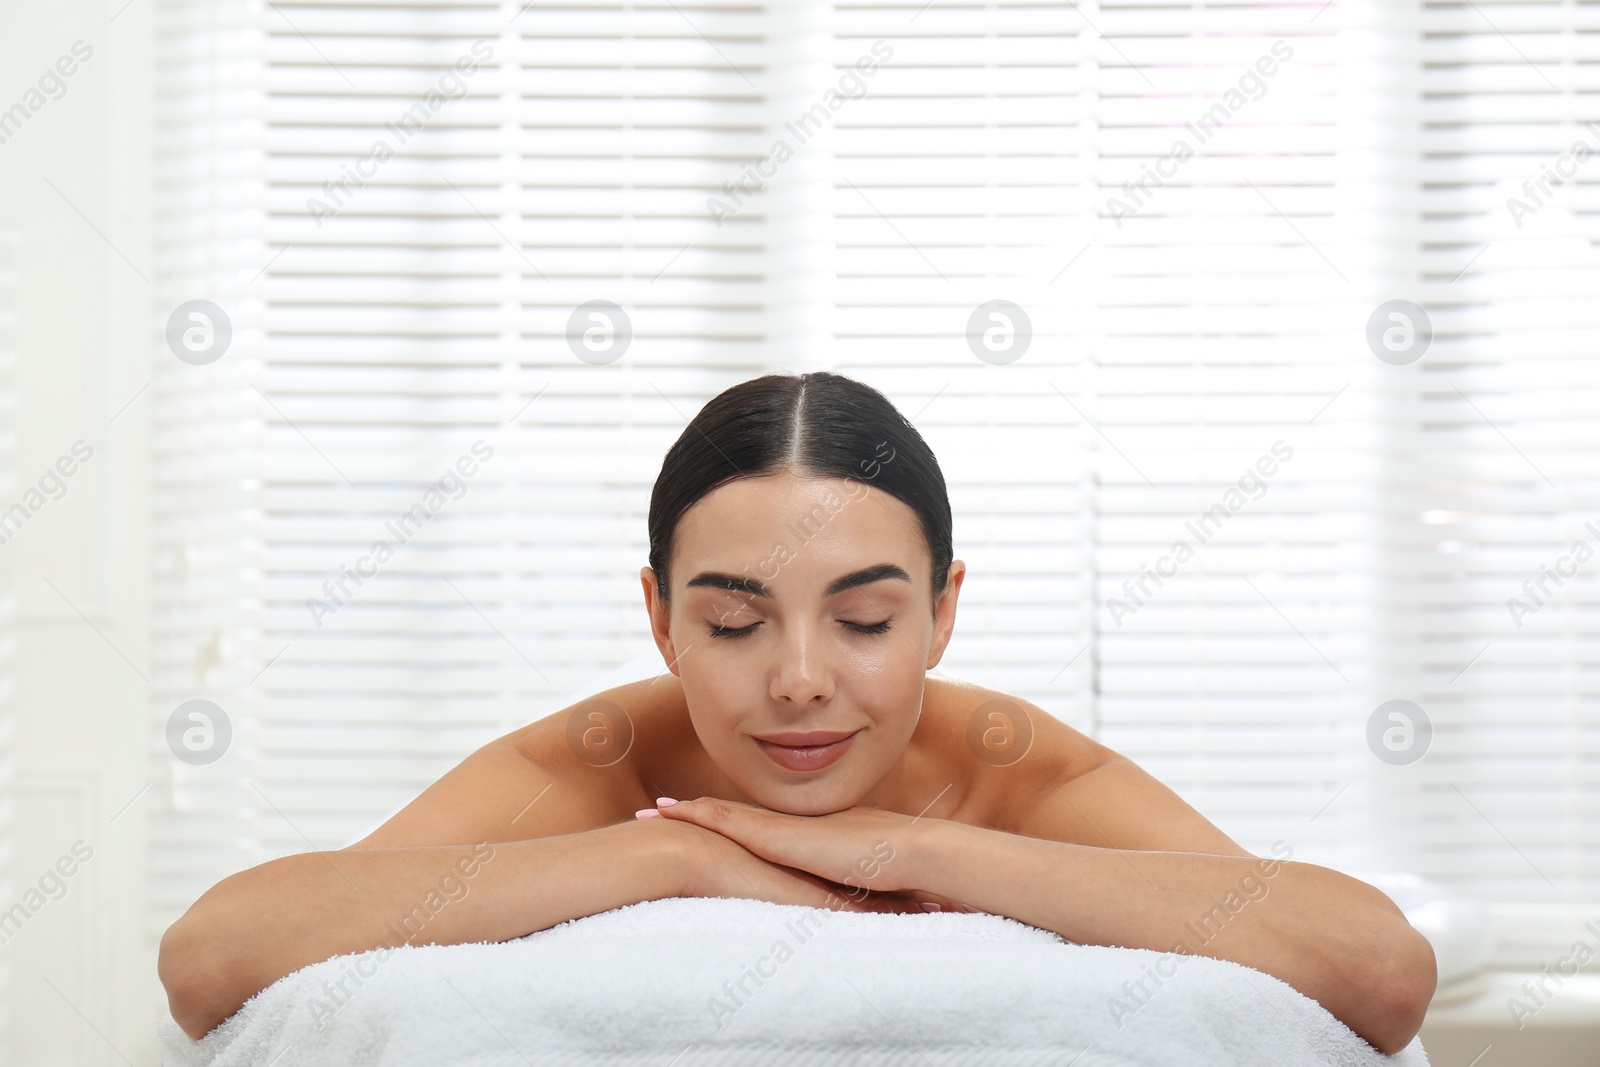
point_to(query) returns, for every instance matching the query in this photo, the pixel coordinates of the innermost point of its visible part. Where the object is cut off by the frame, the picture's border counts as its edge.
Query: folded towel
(696, 982)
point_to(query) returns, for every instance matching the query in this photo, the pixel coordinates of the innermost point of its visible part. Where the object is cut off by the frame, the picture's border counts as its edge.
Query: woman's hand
(858, 858)
(716, 866)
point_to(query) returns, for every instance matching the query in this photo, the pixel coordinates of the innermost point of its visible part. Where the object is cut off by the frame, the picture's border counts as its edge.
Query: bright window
(1228, 501)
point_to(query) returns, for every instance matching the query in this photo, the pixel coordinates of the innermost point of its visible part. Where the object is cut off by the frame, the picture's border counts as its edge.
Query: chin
(825, 806)
(832, 800)
(801, 798)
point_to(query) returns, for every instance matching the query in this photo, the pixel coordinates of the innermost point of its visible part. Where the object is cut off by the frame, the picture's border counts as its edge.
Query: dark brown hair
(818, 424)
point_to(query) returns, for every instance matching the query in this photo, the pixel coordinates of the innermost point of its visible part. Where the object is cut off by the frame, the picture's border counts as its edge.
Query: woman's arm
(551, 846)
(1103, 853)
(1334, 938)
(556, 841)
(258, 925)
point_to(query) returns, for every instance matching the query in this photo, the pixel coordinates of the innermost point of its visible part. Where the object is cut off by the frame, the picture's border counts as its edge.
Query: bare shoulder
(1043, 738)
(564, 773)
(1038, 777)
(1011, 747)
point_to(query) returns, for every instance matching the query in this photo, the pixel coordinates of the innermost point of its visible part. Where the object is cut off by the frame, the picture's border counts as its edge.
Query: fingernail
(928, 905)
(665, 802)
(969, 907)
(646, 813)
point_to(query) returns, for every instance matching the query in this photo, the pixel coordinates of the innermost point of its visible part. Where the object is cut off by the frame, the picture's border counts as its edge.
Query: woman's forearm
(256, 926)
(1335, 939)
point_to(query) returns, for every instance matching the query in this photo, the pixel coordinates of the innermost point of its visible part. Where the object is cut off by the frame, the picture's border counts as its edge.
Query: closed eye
(723, 631)
(860, 628)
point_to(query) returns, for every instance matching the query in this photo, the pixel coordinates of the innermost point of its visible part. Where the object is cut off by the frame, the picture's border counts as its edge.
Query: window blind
(1116, 262)
(10, 884)
(417, 204)
(1234, 572)
(1494, 608)
(1092, 164)
(953, 183)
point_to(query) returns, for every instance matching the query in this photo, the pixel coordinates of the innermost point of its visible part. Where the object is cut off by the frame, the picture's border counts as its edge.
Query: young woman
(800, 586)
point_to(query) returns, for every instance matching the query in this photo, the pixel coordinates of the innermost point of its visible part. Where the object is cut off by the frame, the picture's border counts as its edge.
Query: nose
(802, 674)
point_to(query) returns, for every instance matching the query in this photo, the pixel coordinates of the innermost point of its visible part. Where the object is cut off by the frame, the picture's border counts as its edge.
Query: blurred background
(340, 344)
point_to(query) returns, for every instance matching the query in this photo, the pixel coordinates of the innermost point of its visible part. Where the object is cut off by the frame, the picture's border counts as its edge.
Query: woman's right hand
(716, 866)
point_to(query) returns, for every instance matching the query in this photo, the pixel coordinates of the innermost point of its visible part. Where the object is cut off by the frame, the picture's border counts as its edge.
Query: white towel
(696, 982)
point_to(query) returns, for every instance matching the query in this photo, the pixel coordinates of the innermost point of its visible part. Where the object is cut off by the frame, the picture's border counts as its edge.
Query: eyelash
(745, 631)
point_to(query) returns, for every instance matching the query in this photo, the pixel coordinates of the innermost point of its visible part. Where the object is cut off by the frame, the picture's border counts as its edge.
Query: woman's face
(802, 605)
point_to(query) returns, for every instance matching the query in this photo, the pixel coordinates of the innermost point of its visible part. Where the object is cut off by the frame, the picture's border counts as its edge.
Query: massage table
(723, 982)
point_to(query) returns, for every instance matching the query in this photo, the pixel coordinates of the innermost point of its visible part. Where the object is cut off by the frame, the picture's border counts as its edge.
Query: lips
(806, 740)
(807, 757)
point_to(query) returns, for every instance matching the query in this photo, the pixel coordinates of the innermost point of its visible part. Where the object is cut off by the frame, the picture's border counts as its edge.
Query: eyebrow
(734, 583)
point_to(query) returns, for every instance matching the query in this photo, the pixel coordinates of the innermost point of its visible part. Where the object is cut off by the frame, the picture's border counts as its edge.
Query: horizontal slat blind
(1376, 563)
(1233, 573)
(415, 265)
(956, 182)
(9, 489)
(1498, 478)
(1245, 215)
(1193, 210)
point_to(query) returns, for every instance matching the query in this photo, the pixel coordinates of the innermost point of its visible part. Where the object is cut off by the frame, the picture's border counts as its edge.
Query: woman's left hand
(865, 848)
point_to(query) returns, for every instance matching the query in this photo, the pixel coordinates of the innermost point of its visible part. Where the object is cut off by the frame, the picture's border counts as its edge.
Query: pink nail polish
(647, 813)
(928, 905)
(665, 802)
(969, 907)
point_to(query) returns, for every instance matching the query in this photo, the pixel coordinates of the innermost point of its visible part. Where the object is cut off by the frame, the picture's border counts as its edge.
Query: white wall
(74, 186)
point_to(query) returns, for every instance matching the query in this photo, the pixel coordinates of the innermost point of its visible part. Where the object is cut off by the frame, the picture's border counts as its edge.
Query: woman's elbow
(1408, 990)
(195, 977)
